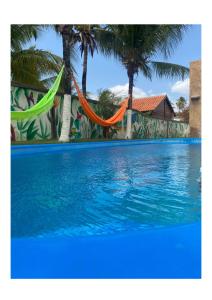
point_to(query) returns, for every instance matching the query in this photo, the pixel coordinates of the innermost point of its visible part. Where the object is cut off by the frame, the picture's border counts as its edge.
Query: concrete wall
(195, 99)
(147, 127)
(81, 127)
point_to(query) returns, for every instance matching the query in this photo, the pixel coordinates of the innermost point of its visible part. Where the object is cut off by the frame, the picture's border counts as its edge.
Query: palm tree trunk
(12, 133)
(66, 115)
(129, 110)
(53, 124)
(84, 72)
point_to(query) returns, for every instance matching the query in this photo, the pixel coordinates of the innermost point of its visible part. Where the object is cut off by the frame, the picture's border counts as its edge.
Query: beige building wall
(195, 99)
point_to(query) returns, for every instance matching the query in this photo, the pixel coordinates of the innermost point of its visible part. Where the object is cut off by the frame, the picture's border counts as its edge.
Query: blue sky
(109, 73)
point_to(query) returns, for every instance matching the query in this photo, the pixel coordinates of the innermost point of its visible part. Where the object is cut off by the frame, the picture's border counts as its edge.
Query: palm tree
(85, 35)
(136, 46)
(72, 34)
(31, 65)
(181, 103)
(22, 34)
(68, 41)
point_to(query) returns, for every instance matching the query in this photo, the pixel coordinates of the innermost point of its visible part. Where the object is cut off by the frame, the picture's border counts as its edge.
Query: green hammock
(42, 106)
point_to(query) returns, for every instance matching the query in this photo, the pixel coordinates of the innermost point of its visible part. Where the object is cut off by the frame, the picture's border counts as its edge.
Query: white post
(129, 125)
(66, 117)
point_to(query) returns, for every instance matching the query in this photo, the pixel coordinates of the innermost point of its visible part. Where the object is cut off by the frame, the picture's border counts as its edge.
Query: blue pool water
(103, 194)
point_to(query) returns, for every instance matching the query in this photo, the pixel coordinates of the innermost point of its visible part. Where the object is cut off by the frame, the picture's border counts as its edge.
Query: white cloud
(93, 96)
(122, 91)
(150, 93)
(181, 87)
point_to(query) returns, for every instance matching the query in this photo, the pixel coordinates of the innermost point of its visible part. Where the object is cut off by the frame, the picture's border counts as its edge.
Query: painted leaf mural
(31, 131)
(48, 125)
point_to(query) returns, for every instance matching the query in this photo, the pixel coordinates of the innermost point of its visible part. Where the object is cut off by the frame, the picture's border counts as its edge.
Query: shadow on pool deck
(163, 253)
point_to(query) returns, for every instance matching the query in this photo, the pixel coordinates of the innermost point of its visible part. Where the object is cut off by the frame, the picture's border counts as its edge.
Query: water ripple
(103, 191)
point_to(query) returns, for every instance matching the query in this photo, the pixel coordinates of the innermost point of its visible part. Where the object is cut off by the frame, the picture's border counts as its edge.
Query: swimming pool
(100, 210)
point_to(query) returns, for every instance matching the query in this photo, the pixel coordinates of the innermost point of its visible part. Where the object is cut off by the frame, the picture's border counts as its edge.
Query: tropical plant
(68, 41)
(181, 103)
(27, 127)
(136, 46)
(137, 131)
(106, 107)
(184, 115)
(30, 65)
(22, 127)
(31, 131)
(85, 35)
(44, 132)
(22, 34)
(15, 100)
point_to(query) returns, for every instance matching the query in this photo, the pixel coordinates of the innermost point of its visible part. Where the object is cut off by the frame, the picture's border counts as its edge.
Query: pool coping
(41, 148)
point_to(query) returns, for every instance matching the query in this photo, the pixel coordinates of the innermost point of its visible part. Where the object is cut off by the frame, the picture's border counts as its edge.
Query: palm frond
(28, 64)
(169, 36)
(21, 34)
(107, 42)
(169, 70)
(146, 70)
(34, 66)
(85, 35)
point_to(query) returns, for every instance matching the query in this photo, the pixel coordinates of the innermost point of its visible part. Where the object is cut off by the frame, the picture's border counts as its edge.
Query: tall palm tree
(85, 35)
(68, 41)
(31, 65)
(136, 46)
(71, 35)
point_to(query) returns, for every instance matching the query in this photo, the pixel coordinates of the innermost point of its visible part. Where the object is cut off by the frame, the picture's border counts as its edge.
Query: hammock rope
(117, 117)
(42, 106)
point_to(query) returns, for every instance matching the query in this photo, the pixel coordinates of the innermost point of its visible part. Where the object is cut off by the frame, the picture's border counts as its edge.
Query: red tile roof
(147, 103)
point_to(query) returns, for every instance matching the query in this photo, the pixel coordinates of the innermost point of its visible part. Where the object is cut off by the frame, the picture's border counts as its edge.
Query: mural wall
(146, 127)
(48, 125)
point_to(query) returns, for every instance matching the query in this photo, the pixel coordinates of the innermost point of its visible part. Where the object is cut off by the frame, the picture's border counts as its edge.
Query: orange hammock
(93, 116)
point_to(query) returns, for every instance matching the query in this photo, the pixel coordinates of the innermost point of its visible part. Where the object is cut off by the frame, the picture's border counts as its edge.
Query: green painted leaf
(32, 134)
(77, 123)
(94, 134)
(39, 97)
(31, 131)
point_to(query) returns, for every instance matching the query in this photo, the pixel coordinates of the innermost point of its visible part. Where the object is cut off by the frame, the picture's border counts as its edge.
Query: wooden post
(167, 129)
